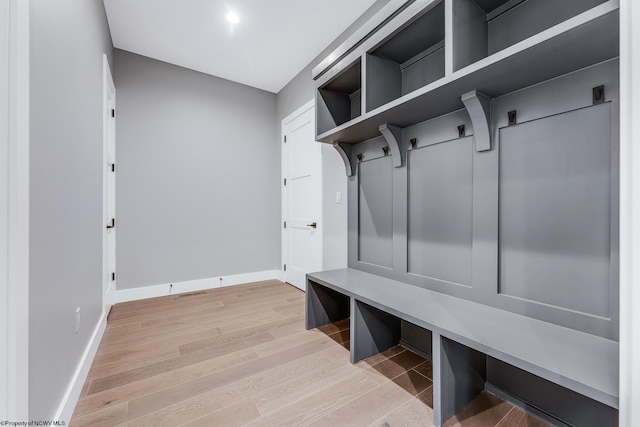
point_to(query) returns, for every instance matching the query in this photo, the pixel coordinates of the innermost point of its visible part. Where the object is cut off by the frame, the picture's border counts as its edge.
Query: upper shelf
(408, 60)
(339, 100)
(589, 38)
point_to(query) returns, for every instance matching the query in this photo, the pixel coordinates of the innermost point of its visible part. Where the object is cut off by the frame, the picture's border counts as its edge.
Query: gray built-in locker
(480, 138)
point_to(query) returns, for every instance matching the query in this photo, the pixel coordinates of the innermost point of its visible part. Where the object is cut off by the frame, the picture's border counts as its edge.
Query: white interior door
(109, 188)
(302, 197)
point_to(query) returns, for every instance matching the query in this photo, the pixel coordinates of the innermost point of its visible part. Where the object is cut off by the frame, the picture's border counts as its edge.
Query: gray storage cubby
(462, 373)
(557, 191)
(440, 220)
(438, 210)
(325, 305)
(411, 58)
(555, 210)
(340, 99)
(484, 27)
(375, 219)
(544, 397)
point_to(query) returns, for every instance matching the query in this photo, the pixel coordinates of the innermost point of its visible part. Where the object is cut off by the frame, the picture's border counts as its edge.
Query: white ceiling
(273, 42)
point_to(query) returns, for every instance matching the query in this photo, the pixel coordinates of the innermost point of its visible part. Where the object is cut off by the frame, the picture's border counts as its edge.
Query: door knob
(112, 224)
(313, 225)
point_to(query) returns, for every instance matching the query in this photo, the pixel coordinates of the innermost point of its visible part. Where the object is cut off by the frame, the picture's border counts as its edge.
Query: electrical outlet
(77, 319)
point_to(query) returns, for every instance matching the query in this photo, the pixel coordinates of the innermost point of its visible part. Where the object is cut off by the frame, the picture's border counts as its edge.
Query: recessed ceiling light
(233, 17)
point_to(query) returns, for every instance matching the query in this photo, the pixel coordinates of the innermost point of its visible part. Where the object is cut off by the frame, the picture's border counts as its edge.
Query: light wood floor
(240, 356)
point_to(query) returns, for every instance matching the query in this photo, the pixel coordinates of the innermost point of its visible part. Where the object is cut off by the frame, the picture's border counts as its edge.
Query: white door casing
(109, 188)
(302, 197)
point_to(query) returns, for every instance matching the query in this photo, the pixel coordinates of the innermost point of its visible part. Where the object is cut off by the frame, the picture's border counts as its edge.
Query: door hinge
(285, 139)
(113, 276)
(113, 112)
(285, 267)
(285, 224)
(113, 167)
(285, 181)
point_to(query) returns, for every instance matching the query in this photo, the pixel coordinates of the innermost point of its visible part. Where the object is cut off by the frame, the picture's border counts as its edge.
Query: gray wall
(68, 39)
(198, 167)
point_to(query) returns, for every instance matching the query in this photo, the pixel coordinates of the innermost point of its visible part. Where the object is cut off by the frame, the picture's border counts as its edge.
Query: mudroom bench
(554, 371)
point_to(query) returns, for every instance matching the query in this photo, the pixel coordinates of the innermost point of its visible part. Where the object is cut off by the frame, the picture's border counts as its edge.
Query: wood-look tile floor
(241, 356)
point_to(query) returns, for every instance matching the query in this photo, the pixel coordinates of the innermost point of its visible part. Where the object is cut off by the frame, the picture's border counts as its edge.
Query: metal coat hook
(598, 94)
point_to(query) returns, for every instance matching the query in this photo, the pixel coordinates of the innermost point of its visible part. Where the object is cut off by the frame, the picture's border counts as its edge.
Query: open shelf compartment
(411, 58)
(592, 38)
(484, 27)
(340, 99)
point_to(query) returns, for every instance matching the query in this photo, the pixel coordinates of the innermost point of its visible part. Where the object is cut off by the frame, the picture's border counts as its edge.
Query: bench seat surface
(582, 362)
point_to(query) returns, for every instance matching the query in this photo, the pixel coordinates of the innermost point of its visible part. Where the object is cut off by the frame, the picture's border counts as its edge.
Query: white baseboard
(280, 275)
(125, 295)
(71, 396)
